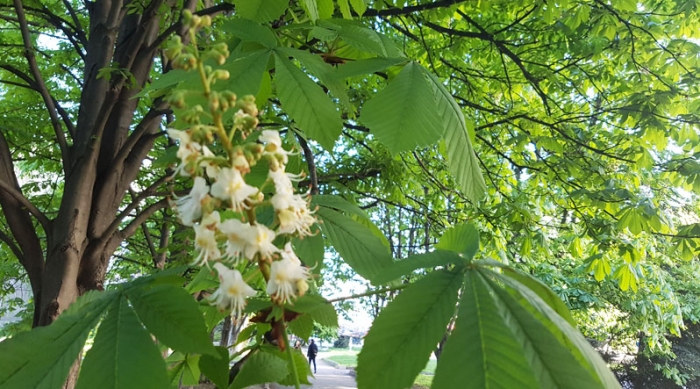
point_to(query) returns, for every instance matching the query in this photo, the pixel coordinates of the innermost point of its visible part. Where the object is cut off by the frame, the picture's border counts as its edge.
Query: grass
(345, 360)
(348, 358)
(423, 381)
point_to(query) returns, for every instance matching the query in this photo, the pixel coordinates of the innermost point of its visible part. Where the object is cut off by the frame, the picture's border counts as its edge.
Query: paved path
(327, 377)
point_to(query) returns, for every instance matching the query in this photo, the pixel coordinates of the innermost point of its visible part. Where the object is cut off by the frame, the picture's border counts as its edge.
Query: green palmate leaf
(558, 354)
(311, 8)
(307, 104)
(324, 72)
(298, 362)
(459, 136)
(318, 308)
(338, 203)
(216, 369)
(172, 315)
(184, 369)
(404, 334)
(462, 239)
(250, 31)
(420, 261)
(344, 6)
(205, 279)
(481, 349)
(366, 66)
(260, 368)
(246, 73)
(302, 326)
(403, 115)
(522, 280)
(325, 9)
(123, 355)
(261, 10)
(362, 38)
(41, 358)
(355, 243)
(359, 6)
(310, 250)
(212, 315)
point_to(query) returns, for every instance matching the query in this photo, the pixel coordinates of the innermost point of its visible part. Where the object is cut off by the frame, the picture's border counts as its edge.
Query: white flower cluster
(237, 240)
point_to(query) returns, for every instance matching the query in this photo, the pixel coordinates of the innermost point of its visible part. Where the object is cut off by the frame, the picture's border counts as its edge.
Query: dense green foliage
(563, 132)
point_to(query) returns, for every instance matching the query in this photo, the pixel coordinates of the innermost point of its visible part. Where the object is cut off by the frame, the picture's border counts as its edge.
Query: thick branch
(134, 204)
(412, 9)
(43, 90)
(141, 218)
(43, 220)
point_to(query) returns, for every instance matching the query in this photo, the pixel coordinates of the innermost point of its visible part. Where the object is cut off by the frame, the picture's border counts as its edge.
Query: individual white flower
(296, 221)
(235, 232)
(259, 240)
(273, 145)
(230, 186)
(283, 181)
(188, 150)
(205, 239)
(232, 292)
(287, 277)
(189, 207)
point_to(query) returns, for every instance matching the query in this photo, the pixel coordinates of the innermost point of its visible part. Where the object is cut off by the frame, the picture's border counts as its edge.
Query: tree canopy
(451, 151)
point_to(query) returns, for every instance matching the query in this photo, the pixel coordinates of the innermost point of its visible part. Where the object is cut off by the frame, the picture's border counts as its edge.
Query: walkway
(327, 377)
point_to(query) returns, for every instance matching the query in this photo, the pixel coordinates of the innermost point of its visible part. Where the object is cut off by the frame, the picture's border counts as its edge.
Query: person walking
(311, 354)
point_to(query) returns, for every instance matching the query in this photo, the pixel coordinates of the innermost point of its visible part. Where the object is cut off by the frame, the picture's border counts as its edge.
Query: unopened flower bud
(241, 163)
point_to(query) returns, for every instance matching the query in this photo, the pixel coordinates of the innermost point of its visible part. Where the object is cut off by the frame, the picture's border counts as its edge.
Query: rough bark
(108, 147)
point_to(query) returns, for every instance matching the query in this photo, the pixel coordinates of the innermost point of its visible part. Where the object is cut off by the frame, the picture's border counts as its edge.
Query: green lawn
(348, 358)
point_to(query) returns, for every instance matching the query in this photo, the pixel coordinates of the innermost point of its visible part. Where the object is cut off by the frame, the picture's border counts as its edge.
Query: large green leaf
(184, 368)
(41, 358)
(338, 203)
(366, 66)
(547, 295)
(216, 369)
(250, 31)
(307, 104)
(361, 37)
(355, 243)
(577, 346)
(261, 10)
(310, 250)
(360, 6)
(172, 315)
(325, 8)
(318, 308)
(123, 355)
(419, 261)
(404, 334)
(311, 9)
(403, 115)
(302, 326)
(462, 239)
(458, 136)
(481, 349)
(245, 73)
(554, 362)
(298, 362)
(323, 71)
(260, 368)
